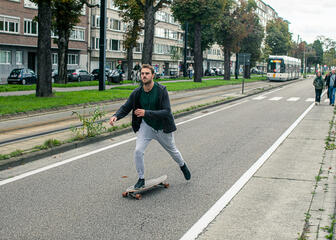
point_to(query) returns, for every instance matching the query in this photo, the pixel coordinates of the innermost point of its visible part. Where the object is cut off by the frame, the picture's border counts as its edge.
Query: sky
(308, 18)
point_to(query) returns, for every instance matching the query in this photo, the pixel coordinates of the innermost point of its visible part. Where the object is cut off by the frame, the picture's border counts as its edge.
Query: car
(78, 75)
(256, 71)
(209, 72)
(95, 73)
(22, 76)
(115, 76)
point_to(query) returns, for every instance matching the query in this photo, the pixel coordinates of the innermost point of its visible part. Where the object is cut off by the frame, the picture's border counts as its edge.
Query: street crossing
(288, 99)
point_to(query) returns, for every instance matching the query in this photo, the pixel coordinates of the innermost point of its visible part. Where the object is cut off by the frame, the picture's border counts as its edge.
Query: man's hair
(148, 66)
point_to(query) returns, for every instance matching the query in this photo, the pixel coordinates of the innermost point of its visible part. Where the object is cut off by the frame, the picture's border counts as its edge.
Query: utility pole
(185, 68)
(102, 45)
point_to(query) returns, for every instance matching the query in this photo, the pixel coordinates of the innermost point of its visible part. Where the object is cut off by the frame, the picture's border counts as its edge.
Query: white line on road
(276, 99)
(259, 98)
(310, 99)
(293, 99)
(213, 212)
(36, 171)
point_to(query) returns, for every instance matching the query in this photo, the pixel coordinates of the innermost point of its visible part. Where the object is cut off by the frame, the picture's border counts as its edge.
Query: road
(81, 198)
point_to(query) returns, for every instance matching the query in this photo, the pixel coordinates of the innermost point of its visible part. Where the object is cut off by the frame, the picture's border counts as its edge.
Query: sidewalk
(292, 196)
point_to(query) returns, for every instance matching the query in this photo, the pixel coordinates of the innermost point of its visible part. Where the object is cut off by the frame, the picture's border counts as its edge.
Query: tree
(235, 24)
(318, 47)
(252, 43)
(132, 14)
(43, 84)
(198, 14)
(149, 8)
(65, 14)
(278, 38)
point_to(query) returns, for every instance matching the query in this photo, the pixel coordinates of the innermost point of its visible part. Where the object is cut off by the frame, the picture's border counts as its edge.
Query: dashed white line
(293, 99)
(275, 99)
(310, 99)
(259, 98)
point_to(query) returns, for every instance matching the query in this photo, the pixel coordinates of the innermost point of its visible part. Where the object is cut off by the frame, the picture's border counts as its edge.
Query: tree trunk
(61, 58)
(129, 63)
(43, 85)
(198, 55)
(227, 56)
(148, 44)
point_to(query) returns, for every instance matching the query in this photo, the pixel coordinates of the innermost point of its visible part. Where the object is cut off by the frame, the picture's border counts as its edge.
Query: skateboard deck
(149, 184)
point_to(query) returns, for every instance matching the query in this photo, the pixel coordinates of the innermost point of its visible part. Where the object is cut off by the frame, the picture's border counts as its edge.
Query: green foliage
(91, 124)
(278, 38)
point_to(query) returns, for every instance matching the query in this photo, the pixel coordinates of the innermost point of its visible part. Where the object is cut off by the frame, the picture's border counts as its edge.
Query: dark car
(22, 76)
(95, 73)
(78, 75)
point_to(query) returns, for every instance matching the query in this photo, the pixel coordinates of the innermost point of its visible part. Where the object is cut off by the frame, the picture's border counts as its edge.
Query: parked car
(256, 71)
(95, 73)
(22, 76)
(78, 75)
(209, 72)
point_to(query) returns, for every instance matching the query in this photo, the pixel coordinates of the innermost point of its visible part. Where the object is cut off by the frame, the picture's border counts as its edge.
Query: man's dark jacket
(163, 113)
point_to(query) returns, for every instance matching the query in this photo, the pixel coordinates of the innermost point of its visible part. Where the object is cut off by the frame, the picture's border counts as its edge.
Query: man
(120, 69)
(136, 72)
(137, 67)
(332, 85)
(151, 119)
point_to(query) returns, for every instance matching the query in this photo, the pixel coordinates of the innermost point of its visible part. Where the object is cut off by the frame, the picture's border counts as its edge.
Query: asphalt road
(82, 199)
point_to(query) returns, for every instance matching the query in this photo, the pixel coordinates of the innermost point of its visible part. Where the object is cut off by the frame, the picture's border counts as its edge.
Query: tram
(283, 68)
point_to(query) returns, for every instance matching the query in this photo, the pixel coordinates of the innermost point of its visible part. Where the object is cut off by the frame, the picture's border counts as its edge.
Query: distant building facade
(18, 39)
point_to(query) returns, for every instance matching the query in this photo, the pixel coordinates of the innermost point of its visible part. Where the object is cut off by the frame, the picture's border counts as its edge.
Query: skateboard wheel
(138, 196)
(124, 194)
(166, 185)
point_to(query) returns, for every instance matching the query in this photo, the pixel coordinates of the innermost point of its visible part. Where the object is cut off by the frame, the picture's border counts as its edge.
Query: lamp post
(185, 74)
(102, 45)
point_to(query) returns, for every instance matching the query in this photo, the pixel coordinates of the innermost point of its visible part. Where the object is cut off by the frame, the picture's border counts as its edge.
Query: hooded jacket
(163, 113)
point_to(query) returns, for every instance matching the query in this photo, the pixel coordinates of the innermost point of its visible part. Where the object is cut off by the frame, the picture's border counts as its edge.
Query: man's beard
(148, 83)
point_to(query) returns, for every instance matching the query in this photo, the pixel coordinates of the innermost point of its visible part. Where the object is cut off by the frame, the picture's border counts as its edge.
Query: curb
(29, 157)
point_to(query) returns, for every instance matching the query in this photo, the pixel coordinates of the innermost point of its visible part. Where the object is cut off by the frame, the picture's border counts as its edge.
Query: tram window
(276, 66)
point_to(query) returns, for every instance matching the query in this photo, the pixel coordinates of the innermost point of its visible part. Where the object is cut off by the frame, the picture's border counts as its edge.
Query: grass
(25, 103)
(11, 88)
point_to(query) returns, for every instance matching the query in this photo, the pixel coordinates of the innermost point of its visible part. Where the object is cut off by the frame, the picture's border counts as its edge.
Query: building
(18, 39)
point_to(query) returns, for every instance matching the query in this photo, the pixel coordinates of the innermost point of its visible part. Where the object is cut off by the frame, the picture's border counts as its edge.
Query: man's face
(146, 75)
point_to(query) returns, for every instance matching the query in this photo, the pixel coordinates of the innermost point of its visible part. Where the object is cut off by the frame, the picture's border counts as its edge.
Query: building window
(77, 34)
(30, 27)
(93, 20)
(73, 59)
(9, 24)
(54, 59)
(138, 48)
(19, 57)
(115, 24)
(97, 21)
(114, 45)
(5, 57)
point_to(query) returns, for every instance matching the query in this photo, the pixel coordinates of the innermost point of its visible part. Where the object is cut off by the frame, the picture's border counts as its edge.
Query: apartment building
(18, 39)
(168, 40)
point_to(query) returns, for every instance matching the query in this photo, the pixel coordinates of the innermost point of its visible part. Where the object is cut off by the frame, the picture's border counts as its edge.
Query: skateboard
(152, 183)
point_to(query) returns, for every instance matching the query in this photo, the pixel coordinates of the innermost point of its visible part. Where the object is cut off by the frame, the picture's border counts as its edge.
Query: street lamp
(102, 45)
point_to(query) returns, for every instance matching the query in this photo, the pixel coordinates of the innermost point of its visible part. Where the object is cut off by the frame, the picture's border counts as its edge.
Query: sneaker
(185, 171)
(140, 183)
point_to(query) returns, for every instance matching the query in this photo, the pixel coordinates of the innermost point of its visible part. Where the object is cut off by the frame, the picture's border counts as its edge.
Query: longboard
(151, 183)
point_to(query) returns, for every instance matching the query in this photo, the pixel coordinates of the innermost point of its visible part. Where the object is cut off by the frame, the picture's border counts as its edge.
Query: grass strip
(25, 103)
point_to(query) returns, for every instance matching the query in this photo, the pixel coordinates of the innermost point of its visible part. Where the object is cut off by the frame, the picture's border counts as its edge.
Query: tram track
(49, 126)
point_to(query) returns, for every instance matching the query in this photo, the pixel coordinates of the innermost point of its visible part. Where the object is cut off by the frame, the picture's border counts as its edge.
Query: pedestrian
(151, 119)
(120, 69)
(136, 72)
(332, 87)
(318, 84)
(327, 82)
(190, 71)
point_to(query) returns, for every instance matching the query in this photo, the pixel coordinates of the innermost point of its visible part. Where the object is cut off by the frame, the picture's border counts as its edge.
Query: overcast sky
(308, 18)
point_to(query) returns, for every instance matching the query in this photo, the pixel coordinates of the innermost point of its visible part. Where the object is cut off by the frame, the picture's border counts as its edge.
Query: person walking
(332, 86)
(136, 72)
(190, 71)
(120, 69)
(327, 82)
(151, 119)
(318, 84)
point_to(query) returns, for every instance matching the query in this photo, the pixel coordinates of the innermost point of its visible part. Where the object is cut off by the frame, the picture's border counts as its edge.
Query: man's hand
(139, 112)
(113, 120)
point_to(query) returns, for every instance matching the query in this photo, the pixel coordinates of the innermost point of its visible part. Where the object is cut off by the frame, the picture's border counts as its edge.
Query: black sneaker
(185, 171)
(140, 183)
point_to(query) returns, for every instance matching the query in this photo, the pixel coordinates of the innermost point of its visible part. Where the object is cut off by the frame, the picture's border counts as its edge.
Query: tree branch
(89, 4)
(140, 4)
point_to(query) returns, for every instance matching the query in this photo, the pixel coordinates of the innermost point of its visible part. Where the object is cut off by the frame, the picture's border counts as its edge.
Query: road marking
(215, 210)
(276, 99)
(39, 170)
(310, 100)
(293, 99)
(259, 98)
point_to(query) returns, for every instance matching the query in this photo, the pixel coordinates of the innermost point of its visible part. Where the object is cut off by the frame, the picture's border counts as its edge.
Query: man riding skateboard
(151, 119)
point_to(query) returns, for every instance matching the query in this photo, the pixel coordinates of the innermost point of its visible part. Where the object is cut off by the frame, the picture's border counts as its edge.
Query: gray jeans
(145, 134)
